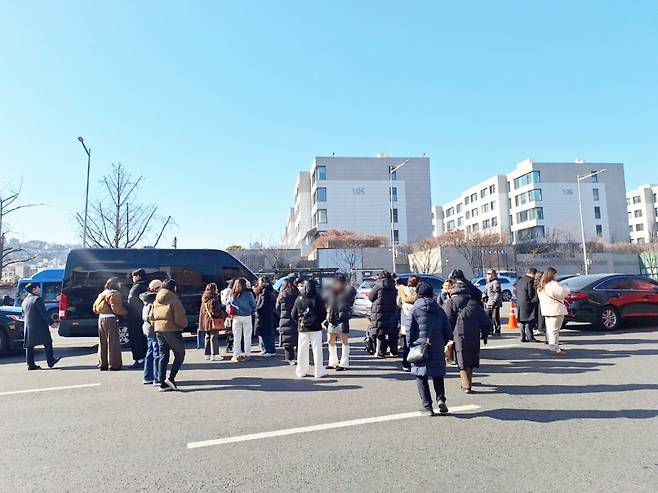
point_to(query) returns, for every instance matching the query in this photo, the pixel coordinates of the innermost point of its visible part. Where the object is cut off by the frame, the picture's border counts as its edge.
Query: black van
(88, 269)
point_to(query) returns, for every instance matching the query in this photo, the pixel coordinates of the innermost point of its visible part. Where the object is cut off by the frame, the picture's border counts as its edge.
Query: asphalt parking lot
(584, 422)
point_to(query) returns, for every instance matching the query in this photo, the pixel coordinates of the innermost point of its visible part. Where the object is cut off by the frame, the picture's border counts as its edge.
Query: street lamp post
(582, 223)
(84, 232)
(391, 172)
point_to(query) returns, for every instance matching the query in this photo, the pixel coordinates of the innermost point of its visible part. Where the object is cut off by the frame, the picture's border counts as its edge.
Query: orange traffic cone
(512, 323)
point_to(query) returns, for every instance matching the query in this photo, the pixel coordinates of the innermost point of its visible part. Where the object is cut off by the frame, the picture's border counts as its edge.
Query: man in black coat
(527, 300)
(382, 331)
(135, 307)
(36, 327)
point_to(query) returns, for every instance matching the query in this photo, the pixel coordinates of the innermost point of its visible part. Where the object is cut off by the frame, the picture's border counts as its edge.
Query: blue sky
(219, 104)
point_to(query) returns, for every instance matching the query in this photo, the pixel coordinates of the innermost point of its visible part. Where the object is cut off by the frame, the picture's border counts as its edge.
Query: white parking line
(326, 426)
(14, 392)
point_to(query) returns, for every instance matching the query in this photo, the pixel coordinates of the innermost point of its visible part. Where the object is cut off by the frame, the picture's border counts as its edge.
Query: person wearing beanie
(339, 305)
(169, 319)
(152, 358)
(429, 324)
(36, 327)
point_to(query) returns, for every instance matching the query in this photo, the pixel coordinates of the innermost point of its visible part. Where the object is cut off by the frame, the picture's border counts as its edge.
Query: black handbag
(419, 353)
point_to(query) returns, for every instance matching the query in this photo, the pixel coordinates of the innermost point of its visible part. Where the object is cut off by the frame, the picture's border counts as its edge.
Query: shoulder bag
(419, 352)
(217, 323)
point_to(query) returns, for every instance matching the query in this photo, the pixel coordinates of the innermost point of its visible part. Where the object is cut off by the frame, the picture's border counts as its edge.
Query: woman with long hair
(244, 303)
(209, 312)
(287, 325)
(553, 308)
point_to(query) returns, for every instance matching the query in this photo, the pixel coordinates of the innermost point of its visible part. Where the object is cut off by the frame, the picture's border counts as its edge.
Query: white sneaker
(235, 359)
(207, 358)
(170, 384)
(268, 355)
(217, 357)
(293, 362)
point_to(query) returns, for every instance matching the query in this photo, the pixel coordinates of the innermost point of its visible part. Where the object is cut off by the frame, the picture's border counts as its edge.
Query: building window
(394, 194)
(321, 194)
(492, 188)
(630, 228)
(321, 172)
(460, 221)
(492, 205)
(394, 215)
(474, 197)
(654, 198)
(597, 213)
(468, 214)
(530, 214)
(636, 199)
(321, 215)
(485, 208)
(529, 196)
(476, 227)
(483, 193)
(459, 208)
(595, 178)
(628, 201)
(486, 224)
(450, 225)
(468, 228)
(599, 230)
(450, 211)
(527, 179)
(394, 174)
(532, 233)
(396, 236)
(637, 213)
(474, 212)
(595, 194)
(494, 222)
(639, 227)
(466, 200)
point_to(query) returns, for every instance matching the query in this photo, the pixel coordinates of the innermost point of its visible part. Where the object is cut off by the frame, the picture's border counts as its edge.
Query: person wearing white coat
(553, 308)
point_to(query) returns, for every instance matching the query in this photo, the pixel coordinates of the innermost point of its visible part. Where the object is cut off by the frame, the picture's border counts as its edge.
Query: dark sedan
(606, 299)
(11, 330)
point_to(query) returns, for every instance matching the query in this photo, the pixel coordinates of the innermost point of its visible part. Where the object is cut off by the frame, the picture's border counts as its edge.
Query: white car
(506, 285)
(361, 307)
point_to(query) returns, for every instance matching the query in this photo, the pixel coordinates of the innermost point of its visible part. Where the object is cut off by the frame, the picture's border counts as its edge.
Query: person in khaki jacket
(108, 306)
(169, 319)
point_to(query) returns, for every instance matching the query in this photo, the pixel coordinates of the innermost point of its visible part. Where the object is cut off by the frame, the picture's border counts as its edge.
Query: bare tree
(272, 257)
(473, 247)
(10, 202)
(119, 220)
(424, 256)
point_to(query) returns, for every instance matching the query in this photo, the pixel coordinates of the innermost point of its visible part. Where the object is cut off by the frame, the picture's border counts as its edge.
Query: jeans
(266, 343)
(152, 360)
(313, 339)
(493, 312)
(242, 330)
(200, 339)
(29, 354)
(424, 390)
(211, 343)
(170, 341)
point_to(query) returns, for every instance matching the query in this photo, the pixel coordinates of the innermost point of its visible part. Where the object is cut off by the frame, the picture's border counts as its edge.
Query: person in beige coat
(108, 306)
(553, 308)
(169, 319)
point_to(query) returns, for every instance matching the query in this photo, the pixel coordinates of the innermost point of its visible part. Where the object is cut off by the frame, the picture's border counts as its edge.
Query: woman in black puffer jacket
(382, 332)
(288, 326)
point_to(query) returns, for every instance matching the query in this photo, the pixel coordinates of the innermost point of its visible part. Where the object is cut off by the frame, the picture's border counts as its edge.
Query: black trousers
(388, 339)
(29, 354)
(290, 352)
(526, 331)
(137, 338)
(424, 390)
(405, 351)
(494, 314)
(170, 341)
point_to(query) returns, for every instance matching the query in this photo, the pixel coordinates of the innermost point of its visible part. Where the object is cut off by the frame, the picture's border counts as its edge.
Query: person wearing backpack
(241, 304)
(469, 323)
(211, 320)
(430, 328)
(309, 312)
(152, 358)
(108, 306)
(169, 319)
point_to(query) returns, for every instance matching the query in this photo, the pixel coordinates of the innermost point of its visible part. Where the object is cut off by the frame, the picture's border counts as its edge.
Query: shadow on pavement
(552, 415)
(266, 385)
(568, 389)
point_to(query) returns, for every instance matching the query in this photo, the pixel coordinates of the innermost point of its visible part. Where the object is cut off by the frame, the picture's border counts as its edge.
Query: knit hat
(155, 284)
(170, 284)
(424, 290)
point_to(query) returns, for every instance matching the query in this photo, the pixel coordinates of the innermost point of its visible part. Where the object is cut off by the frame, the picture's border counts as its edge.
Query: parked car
(50, 281)
(507, 285)
(88, 269)
(362, 304)
(11, 329)
(605, 300)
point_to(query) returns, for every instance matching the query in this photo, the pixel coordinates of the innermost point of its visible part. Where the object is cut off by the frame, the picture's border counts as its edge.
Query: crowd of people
(428, 330)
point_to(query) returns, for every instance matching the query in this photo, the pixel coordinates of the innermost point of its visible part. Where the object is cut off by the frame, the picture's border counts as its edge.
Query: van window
(50, 291)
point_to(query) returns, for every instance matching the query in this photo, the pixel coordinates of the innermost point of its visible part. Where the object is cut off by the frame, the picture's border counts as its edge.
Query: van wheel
(507, 295)
(608, 318)
(124, 337)
(4, 342)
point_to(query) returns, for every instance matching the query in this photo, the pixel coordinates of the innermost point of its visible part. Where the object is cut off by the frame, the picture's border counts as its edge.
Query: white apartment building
(540, 199)
(642, 214)
(353, 194)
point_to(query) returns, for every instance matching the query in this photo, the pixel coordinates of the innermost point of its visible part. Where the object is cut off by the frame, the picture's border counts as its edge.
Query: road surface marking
(326, 426)
(503, 346)
(14, 392)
